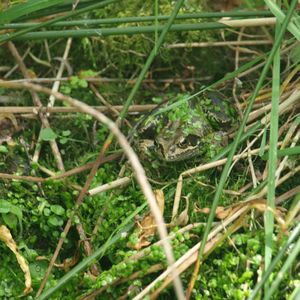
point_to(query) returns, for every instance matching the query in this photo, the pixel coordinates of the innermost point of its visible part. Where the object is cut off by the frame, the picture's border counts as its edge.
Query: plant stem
(272, 162)
(101, 32)
(106, 21)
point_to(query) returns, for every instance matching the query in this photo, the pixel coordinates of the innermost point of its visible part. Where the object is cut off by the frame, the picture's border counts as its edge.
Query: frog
(195, 128)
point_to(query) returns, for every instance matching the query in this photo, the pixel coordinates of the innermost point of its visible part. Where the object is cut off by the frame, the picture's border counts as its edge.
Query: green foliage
(11, 214)
(231, 275)
(3, 149)
(43, 209)
(11, 285)
(121, 56)
(47, 134)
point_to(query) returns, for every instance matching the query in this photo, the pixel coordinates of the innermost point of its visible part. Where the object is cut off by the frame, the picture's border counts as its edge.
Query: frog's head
(190, 130)
(181, 149)
(179, 141)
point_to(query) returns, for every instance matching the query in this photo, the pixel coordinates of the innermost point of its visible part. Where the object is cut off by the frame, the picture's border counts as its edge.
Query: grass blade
(278, 13)
(51, 34)
(124, 20)
(285, 152)
(272, 163)
(22, 9)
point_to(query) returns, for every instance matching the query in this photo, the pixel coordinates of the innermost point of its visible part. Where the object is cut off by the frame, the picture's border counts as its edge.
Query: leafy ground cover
(81, 202)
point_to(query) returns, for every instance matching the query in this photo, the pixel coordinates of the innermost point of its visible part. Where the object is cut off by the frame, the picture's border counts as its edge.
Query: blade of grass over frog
(226, 169)
(162, 230)
(53, 34)
(85, 263)
(89, 22)
(293, 235)
(284, 152)
(291, 258)
(25, 8)
(279, 14)
(272, 164)
(9, 37)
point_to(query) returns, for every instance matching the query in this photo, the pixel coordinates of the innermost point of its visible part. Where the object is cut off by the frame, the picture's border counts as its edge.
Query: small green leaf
(157, 99)
(58, 210)
(66, 132)
(83, 83)
(66, 89)
(74, 81)
(10, 220)
(47, 212)
(88, 73)
(55, 221)
(3, 149)
(7, 207)
(38, 270)
(63, 141)
(4, 206)
(47, 134)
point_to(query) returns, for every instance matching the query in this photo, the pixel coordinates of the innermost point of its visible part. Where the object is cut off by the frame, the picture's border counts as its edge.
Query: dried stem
(219, 44)
(37, 102)
(61, 109)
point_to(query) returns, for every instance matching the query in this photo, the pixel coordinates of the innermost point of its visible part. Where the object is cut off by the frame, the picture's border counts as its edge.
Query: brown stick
(152, 269)
(100, 80)
(87, 247)
(219, 44)
(59, 176)
(38, 103)
(62, 109)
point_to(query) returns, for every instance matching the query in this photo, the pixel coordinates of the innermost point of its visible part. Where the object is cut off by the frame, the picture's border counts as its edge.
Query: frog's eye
(193, 140)
(148, 133)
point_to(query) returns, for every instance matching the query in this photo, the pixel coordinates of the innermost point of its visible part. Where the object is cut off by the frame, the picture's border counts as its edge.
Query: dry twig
(37, 102)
